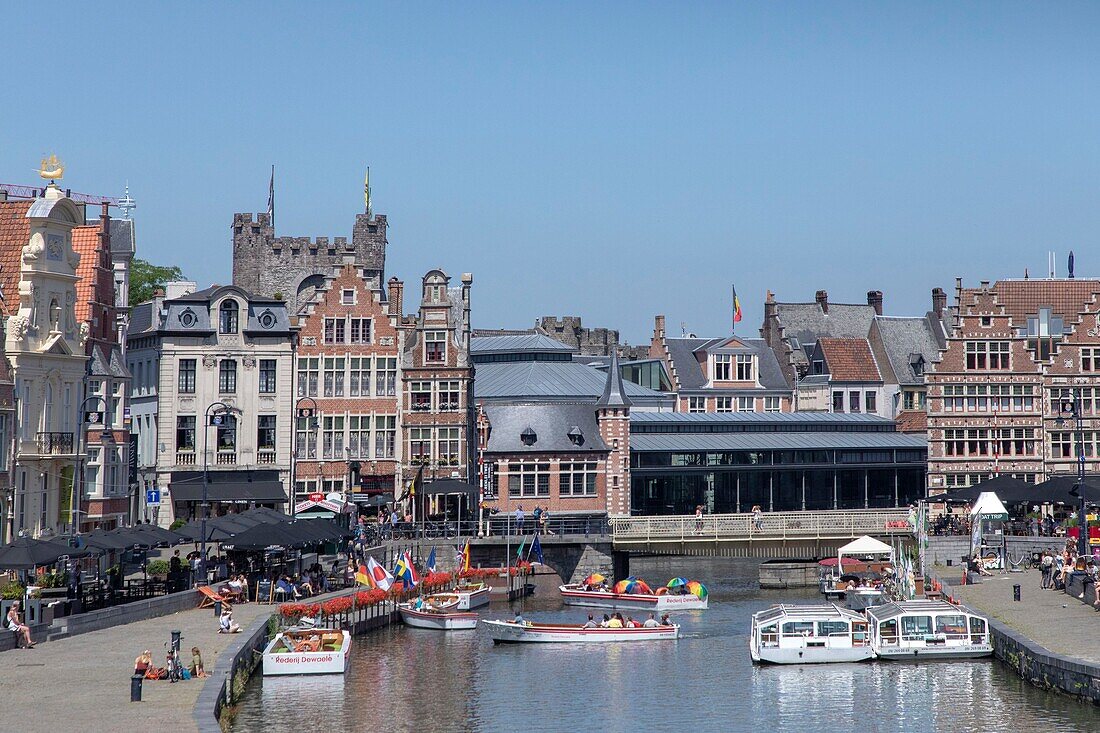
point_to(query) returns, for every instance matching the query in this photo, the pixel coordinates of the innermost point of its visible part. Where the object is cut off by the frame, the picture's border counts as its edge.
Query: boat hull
(294, 663)
(468, 600)
(573, 596)
(812, 655)
(506, 632)
(909, 654)
(449, 621)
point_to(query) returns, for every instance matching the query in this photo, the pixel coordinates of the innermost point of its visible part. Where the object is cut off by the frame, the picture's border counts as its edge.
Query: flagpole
(733, 308)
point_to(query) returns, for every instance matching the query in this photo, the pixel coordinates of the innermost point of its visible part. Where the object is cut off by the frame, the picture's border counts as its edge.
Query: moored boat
(927, 630)
(440, 619)
(307, 651)
(679, 595)
(792, 634)
(472, 595)
(506, 632)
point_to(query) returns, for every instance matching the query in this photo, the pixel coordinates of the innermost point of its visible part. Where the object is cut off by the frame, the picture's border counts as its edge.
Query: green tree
(145, 278)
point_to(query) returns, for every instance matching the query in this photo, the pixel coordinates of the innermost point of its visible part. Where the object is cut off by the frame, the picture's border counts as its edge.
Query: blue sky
(611, 161)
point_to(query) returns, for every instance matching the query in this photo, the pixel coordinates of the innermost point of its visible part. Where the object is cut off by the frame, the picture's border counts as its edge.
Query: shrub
(157, 567)
(176, 525)
(13, 591)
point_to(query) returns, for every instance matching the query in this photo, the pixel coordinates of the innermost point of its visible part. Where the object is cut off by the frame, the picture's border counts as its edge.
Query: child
(197, 670)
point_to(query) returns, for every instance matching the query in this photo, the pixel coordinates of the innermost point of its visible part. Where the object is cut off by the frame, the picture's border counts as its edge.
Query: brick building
(1015, 349)
(346, 369)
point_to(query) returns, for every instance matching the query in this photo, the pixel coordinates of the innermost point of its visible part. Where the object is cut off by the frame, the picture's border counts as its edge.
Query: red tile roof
(912, 421)
(850, 360)
(1022, 298)
(85, 243)
(15, 231)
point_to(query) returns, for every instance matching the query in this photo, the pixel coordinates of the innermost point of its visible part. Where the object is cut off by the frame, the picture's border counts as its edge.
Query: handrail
(772, 526)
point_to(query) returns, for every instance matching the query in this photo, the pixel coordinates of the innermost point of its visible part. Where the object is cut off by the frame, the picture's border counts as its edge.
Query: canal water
(404, 679)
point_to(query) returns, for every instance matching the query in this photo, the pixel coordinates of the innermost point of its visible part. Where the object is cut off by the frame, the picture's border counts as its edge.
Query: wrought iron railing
(55, 443)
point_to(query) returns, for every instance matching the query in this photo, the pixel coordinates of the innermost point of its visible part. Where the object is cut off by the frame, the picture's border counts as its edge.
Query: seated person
(666, 620)
(650, 622)
(143, 662)
(590, 623)
(305, 588)
(226, 624)
(285, 587)
(615, 622)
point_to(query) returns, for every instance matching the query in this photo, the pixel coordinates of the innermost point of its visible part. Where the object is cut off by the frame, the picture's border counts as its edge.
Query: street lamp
(1072, 407)
(220, 412)
(310, 415)
(86, 419)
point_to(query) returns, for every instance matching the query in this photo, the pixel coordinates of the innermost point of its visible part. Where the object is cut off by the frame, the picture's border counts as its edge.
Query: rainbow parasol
(677, 582)
(632, 585)
(594, 579)
(697, 589)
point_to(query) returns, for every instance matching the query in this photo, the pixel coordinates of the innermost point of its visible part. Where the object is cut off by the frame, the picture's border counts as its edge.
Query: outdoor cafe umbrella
(1057, 489)
(159, 534)
(1009, 490)
(26, 553)
(104, 540)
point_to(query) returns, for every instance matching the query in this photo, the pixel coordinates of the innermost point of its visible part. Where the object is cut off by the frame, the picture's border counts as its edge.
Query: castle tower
(613, 417)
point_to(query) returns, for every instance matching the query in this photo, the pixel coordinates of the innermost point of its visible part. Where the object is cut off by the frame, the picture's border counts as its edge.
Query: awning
(989, 507)
(240, 486)
(1011, 490)
(376, 500)
(447, 486)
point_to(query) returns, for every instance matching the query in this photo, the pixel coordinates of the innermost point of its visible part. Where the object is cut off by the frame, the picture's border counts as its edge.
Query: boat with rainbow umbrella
(680, 594)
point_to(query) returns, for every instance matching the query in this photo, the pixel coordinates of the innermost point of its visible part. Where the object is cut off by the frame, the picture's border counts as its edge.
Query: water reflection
(410, 679)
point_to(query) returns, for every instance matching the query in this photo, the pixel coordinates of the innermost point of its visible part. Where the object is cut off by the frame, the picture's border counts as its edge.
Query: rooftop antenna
(1071, 264)
(683, 329)
(366, 194)
(126, 203)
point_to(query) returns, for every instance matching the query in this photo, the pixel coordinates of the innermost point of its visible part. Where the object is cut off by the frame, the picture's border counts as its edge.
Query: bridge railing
(769, 526)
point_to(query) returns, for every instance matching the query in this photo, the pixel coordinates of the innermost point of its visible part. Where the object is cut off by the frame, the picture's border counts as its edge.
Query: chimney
(467, 282)
(939, 302)
(658, 327)
(397, 292)
(822, 298)
(874, 299)
(179, 288)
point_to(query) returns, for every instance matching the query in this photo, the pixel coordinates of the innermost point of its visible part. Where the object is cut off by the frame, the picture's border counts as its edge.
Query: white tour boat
(809, 635)
(576, 595)
(473, 595)
(303, 650)
(927, 630)
(439, 611)
(504, 632)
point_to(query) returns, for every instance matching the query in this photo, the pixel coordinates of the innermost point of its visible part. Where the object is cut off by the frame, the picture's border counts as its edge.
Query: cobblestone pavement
(1058, 622)
(82, 683)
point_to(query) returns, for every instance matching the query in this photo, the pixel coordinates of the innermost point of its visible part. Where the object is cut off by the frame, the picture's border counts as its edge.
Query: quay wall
(955, 547)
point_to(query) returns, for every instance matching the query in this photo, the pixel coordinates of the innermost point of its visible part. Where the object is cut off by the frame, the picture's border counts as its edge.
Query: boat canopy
(829, 610)
(865, 545)
(887, 611)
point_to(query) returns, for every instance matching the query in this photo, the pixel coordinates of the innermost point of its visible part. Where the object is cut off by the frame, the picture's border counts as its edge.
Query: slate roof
(780, 421)
(807, 322)
(551, 424)
(85, 243)
(552, 381)
(15, 232)
(107, 361)
(614, 394)
(518, 343)
(141, 318)
(820, 440)
(1022, 298)
(849, 359)
(689, 371)
(122, 236)
(904, 337)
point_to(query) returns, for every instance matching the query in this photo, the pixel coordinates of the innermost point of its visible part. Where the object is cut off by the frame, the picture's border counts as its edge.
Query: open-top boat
(680, 595)
(927, 630)
(808, 635)
(439, 611)
(302, 650)
(472, 595)
(507, 632)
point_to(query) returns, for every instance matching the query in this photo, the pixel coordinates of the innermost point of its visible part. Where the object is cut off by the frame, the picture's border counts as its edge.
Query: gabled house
(844, 377)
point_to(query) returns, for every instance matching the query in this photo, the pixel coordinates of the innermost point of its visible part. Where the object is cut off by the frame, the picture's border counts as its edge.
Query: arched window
(230, 312)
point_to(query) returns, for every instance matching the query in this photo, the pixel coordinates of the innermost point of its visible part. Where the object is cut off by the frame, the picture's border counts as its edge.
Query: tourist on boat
(17, 626)
(666, 620)
(226, 624)
(651, 622)
(590, 623)
(519, 620)
(606, 621)
(616, 622)
(143, 662)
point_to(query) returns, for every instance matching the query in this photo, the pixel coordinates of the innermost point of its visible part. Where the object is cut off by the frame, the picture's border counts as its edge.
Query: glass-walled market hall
(779, 461)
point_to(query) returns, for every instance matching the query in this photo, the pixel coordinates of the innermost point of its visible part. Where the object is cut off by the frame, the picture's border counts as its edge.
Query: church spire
(614, 394)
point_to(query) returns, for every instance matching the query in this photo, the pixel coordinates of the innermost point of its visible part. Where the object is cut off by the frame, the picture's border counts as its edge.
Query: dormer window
(576, 437)
(818, 367)
(188, 319)
(916, 361)
(528, 436)
(229, 317)
(267, 320)
(723, 367)
(745, 370)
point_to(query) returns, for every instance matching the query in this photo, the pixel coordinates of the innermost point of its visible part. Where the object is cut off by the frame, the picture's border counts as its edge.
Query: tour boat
(863, 597)
(927, 630)
(506, 632)
(576, 595)
(472, 595)
(809, 635)
(440, 612)
(301, 650)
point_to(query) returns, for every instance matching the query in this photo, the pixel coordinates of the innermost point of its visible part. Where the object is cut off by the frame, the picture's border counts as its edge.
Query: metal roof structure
(703, 442)
(515, 343)
(614, 394)
(775, 418)
(542, 381)
(900, 608)
(551, 424)
(807, 612)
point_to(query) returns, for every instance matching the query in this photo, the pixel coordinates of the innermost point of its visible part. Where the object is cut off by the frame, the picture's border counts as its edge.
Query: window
(265, 432)
(228, 317)
(307, 376)
(332, 437)
(5, 441)
(305, 438)
(724, 404)
(723, 367)
(347, 296)
(818, 367)
(91, 473)
(267, 376)
(853, 401)
(227, 434)
(227, 376)
(449, 398)
(986, 321)
(385, 373)
(987, 355)
(420, 399)
(435, 347)
(697, 404)
(334, 376)
(420, 445)
(746, 404)
(449, 447)
(334, 330)
(744, 367)
(1090, 360)
(360, 331)
(359, 377)
(359, 436)
(869, 401)
(577, 478)
(528, 479)
(1061, 445)
(385, 435)
(838, 402)
(772, 404)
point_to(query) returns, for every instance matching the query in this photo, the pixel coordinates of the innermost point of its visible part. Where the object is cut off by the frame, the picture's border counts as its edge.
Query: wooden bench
(209, 597)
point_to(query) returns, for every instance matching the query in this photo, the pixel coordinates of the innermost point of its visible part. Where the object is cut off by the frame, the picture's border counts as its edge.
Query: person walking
(757, 518)
(1047, 567)
(698, 518)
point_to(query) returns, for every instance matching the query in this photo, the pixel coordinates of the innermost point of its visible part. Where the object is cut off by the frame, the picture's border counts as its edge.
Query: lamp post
(220, 411)
(309, 414)
(86, 419)
(1072, 407)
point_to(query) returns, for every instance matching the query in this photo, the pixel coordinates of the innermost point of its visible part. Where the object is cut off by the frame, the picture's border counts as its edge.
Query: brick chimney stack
(822, 298)
(939, 301)
(658, 327)
(397, 292)
(874, 299)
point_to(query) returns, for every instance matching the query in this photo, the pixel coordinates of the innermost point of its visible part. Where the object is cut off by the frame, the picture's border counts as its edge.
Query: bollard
(135, 688)
(1016, 592)
(217, 608)
(176, 636)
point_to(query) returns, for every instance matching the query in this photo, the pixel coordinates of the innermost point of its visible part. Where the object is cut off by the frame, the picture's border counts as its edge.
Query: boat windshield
(951, 624)
(916, 626)
(829, 628)
(977, 625)
(798, 628)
